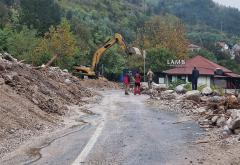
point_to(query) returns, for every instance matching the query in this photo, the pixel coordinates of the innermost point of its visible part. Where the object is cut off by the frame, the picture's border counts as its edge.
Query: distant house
(192, 47)
(223, 46)
(210, 73)
(236, 51)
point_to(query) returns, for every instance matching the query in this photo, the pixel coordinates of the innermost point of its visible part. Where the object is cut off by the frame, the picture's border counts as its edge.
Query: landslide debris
(33, 101)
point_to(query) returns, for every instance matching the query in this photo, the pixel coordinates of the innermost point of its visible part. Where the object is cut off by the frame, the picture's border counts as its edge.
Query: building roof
(193, 46)
(205, 67)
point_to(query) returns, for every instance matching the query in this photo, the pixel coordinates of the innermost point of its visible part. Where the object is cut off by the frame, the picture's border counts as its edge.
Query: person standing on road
(195, 75)
(150, 75)
(126, 83)
(137, 81)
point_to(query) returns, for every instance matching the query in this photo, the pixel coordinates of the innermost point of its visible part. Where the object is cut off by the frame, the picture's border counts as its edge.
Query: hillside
(93, 22)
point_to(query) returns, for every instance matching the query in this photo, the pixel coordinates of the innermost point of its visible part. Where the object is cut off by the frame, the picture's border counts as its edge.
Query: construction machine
(90, 71)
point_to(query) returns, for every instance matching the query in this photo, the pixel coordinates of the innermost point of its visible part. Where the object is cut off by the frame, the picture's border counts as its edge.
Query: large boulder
(221, 121)
(207, 91)
(180, 89)
(159, 87)
(234, 123)
(216, 99)
(193, 95)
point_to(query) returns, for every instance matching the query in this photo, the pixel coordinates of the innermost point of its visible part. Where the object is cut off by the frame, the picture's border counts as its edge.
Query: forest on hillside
(36, 30)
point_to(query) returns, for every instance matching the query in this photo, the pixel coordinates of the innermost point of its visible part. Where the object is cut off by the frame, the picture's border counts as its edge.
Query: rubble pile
(34, 101)
(208, 107)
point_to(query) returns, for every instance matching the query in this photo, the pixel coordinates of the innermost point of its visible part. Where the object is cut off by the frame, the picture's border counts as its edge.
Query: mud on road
(124, 130)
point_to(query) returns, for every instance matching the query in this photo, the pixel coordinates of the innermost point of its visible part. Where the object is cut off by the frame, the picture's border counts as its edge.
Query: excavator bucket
(135, 51)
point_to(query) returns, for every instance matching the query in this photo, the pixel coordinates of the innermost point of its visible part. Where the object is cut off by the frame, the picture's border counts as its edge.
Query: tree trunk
(52, 60)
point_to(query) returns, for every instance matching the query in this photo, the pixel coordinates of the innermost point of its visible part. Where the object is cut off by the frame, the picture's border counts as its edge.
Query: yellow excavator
(116, 39)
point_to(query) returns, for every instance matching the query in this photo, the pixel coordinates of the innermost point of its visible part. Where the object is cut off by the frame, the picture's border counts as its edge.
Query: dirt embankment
(34, 101)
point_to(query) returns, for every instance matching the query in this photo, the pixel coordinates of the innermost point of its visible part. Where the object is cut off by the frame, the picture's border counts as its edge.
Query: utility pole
(144, 61)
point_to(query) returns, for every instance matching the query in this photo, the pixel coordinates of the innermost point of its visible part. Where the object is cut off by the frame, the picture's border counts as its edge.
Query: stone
(235, 113)
(229, 121)
(65, 70)
(2, 81)
(216, 99)
(235, 124)
(35, 101)
(144, 86)
(193, 95)
(226, 130)
(221, 121)
(201, 110)
(2, 67)
(214, 119)
(207, 91)
(67, 81)
(168, 92)
(232, 100)
(237, 131)
(180, 89)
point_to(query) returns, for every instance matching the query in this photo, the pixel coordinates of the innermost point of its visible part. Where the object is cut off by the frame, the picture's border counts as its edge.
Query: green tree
(4, 14)
(164, 32)
(40, 14)
(59, 42)
(205, 53)
(4, 35)
(21, 44)
(157, 59)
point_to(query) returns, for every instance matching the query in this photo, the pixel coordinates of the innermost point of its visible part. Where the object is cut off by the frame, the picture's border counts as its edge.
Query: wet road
(126, 132)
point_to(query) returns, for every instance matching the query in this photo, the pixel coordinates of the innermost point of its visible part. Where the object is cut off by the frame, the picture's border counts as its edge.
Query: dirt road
(124, 131)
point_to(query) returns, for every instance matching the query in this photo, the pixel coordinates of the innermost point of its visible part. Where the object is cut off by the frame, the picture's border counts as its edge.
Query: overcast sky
(232, 3)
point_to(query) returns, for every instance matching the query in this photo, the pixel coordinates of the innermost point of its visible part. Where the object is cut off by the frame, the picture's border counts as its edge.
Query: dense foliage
(30, 30)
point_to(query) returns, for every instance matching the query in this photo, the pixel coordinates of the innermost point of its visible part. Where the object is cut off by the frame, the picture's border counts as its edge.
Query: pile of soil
(100, 83)
(33, 101)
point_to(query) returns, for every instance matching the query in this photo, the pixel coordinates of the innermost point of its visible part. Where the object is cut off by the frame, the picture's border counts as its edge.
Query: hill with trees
(159, 26)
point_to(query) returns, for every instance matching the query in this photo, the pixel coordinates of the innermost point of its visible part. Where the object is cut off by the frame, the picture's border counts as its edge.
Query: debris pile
(208, 107)
(33, 101)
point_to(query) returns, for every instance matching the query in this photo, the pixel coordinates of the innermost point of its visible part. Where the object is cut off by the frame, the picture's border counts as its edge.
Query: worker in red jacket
(126, 83)
(137, 79)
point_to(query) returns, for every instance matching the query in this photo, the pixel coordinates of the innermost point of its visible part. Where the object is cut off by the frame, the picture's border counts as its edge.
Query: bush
(201, 87)
(188, 86)
(174, 84)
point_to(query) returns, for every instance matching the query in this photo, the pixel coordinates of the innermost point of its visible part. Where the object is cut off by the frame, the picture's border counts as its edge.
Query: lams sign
(176, 62)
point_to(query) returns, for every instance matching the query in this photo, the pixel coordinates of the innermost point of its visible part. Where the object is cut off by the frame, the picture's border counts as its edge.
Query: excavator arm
(117, 38)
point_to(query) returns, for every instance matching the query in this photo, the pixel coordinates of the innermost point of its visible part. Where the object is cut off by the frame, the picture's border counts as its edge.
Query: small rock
(67, 81)
(65, 70)
(2, 68)
(216, 99)
(207, 91)
(35, 101)
(201, 110)
(237, 131)
(221, 121)
(2, 81)
(235, 124)
(227, 130)
(214, 119)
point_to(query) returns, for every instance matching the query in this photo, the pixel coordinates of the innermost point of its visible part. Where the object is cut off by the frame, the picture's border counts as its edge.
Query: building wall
(202, 80)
